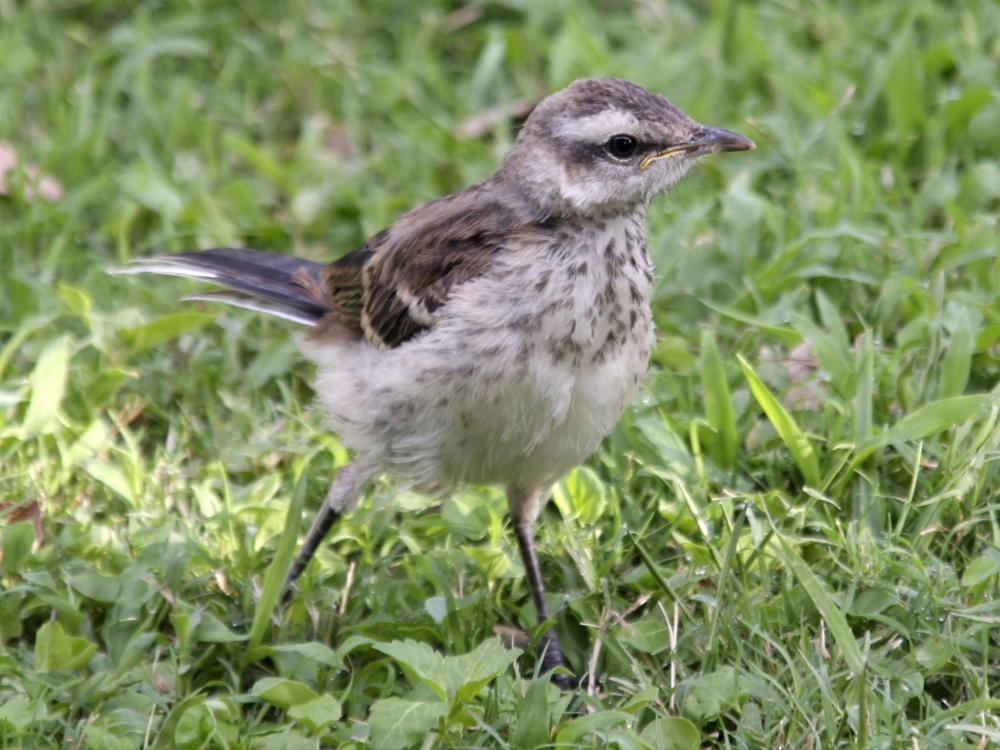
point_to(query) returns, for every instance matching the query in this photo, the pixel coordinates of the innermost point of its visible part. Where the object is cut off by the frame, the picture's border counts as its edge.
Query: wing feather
(394, 286)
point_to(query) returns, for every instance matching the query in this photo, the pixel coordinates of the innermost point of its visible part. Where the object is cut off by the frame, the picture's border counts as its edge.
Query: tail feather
(272, 283)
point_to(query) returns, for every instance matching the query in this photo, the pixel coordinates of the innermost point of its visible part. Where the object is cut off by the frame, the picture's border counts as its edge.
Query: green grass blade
(787, 336)
(833, 323)
(828, 610)
(958, 360)
(800, 446)
(832, 359)
(866, 385)
(718, 403)
(48, 385)
(165, 736)
(274, 579)
(12, 344)
(727, 564)
(864, 508)
(654, 571)
(928, 420)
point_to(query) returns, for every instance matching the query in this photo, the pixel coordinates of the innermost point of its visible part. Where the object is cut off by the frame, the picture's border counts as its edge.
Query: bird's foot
(551, 658)
(566, 682)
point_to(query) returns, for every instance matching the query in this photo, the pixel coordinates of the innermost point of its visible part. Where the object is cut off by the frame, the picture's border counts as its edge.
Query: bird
(493, 336)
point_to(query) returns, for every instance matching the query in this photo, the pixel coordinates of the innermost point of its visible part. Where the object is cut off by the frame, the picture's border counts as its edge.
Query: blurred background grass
(765, 599)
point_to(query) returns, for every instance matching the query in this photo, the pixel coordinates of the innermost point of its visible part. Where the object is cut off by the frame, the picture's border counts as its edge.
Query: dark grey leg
(342, 496)
(524, 507)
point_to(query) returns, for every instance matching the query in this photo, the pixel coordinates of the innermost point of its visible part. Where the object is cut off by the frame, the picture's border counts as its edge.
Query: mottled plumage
(493, 336)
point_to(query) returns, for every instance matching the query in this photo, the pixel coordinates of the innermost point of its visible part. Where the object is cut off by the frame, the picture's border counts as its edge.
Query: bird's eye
(622, 146)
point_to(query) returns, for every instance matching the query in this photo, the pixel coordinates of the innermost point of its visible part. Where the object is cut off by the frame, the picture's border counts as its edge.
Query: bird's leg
(341, 497)
(524, 508)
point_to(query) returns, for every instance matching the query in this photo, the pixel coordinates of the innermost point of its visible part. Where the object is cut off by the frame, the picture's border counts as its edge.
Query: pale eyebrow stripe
(600, 126)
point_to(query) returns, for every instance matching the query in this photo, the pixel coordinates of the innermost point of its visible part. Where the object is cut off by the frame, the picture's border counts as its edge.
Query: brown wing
(343, 282)
(394, 285)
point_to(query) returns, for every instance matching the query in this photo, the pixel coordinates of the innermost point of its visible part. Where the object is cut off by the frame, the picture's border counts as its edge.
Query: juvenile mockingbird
(493, 336)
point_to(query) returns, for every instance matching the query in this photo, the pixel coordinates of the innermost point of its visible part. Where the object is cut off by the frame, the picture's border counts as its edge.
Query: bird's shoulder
(392, 287)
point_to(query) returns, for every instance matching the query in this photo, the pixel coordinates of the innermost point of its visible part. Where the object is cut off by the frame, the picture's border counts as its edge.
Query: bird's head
(606, 145)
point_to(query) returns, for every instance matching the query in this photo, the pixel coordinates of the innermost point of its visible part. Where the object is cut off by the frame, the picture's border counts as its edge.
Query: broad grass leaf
(56, 650)
(111, 477)
(93, 585)
(715, 693)
(469, 673)
(494, 563)
(317, 713)
(351, 643)
(150, 189)
(16, 540)
(641, 699)
(652, 567)
(863, 395)
(282, 692)
(466, 514)
(873, 601)
(12, 344)
(19, 712)
(258, 159)
(580, 495)
(130, 650)
(934, 653)
(11, 626)
(207, 725)
(904, 83)
(273, 360)
(286, 739)
(798, 444)
(311, 651)
(488, 71)
(210, 629)
(834, 360)
(101, 389)
(437, 608)
(674, 353)
(957, 363)
(184, 619)
(671, 733)
(165, 738)
(274, 579)
(422, 660)
(718, 403)
(99, 737)
(77, 300)
(928, 420)
(86, 446)
(786, 336)
(579, 729)
(164, 329)
(48, 385)
(828, 610)
(958, 112)
(677, 458)
(397, 724)
(647, 636)
(980, 570)
(534, 717)
(836, 330)
(194, 729)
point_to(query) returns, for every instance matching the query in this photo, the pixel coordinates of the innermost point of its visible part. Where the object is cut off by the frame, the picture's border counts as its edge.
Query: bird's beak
(705, 140)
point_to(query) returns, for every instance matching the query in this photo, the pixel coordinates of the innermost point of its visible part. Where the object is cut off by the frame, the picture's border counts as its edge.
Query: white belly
(516, 384)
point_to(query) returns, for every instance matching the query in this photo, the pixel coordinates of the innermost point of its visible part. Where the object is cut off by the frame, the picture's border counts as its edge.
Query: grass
(791, 540)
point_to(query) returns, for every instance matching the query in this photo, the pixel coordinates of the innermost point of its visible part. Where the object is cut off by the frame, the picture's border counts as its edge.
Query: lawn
(790, 541)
